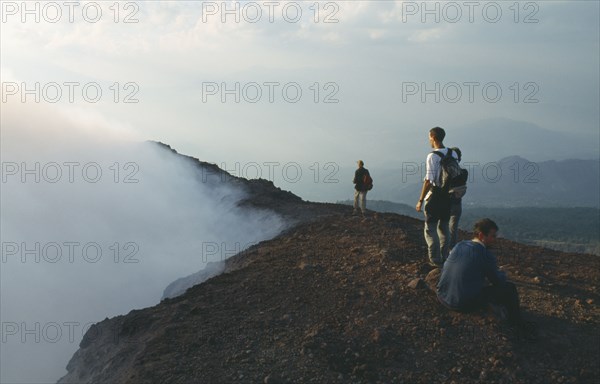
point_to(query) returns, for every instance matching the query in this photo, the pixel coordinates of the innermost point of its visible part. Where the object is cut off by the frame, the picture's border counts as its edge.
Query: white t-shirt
(434, 169)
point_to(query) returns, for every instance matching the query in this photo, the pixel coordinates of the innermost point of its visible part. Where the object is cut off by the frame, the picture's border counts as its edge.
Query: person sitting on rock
(462, 285)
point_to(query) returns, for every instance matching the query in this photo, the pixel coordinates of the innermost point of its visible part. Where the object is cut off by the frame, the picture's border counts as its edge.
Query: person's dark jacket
(359, 177)
(464, 274)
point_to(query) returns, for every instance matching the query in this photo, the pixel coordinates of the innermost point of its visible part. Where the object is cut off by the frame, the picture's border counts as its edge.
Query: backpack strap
(440, 154)
(448, 155)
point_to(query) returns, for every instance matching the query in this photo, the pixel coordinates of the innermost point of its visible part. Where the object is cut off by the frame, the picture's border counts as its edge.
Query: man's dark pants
(437, 236)
(504, 294)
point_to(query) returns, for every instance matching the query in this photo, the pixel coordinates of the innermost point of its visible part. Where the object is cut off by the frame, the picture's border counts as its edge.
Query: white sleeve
(431, 172)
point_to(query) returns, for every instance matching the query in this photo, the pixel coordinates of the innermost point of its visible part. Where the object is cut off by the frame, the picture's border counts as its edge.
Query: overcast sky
(371, 67)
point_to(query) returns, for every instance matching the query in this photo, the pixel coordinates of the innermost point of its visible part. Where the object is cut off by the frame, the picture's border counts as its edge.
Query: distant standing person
(435, 202)
(462, 286)
(362, 184)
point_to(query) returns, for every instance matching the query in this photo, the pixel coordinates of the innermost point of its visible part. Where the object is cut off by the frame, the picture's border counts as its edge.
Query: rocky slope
(258, 194)
(337, 299)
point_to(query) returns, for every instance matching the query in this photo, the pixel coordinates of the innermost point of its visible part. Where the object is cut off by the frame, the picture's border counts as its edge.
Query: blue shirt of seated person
(465, 272)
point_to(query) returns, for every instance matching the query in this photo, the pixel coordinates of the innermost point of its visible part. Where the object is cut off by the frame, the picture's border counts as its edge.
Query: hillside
(509, 182)
(542, 226)
(331, 300)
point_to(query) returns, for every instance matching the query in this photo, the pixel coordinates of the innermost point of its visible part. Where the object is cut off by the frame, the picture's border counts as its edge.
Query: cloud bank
(96, 223)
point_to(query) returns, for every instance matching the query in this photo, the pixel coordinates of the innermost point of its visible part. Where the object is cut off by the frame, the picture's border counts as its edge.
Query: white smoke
(96, 222)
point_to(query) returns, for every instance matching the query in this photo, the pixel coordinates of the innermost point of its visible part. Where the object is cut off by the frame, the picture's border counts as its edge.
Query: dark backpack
(367, 181)
(453, 178)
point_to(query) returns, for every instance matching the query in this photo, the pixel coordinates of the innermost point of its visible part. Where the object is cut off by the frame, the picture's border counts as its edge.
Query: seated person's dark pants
(504, 294)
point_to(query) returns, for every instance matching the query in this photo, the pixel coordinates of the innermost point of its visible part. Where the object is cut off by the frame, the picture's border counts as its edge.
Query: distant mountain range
(491, 139)
(510, 182)
(539, 167)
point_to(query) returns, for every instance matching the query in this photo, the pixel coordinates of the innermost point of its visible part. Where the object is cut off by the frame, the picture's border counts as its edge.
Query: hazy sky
(376, 62)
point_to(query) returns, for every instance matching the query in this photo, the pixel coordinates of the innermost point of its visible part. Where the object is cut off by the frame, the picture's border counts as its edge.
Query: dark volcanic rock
(304, 308)
(417, 284)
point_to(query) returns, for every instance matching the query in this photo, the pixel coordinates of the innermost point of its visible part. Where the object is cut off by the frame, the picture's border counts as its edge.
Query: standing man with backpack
(435, 199)
(362, 183)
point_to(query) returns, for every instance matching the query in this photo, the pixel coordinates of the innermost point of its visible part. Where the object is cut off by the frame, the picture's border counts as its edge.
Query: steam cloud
(78, 247)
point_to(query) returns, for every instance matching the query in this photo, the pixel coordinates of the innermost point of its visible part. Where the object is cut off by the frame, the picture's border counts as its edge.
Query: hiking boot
(435, 265)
